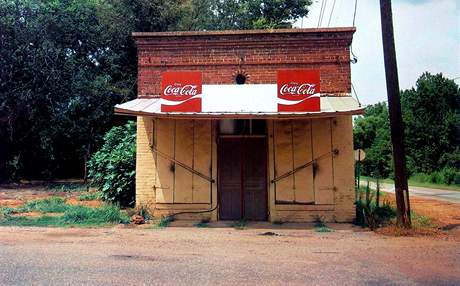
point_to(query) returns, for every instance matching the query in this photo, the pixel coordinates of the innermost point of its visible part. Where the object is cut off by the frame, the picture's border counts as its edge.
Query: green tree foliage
(241, 14)
(372, 134)
(431, 114)
(112, 168)
(432, 120)
(64, 64)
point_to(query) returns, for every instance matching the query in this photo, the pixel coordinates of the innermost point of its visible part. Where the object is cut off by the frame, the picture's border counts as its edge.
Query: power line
(354, 14)
(330, 16)
(355, 58)
(320, 13)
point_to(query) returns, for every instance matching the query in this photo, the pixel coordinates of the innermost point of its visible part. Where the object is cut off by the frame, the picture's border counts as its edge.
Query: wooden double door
(242, 168)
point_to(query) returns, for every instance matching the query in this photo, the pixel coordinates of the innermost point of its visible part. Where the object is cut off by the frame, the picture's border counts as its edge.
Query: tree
(241, 14)
(64, 64)
(431, 114)
(372, 134)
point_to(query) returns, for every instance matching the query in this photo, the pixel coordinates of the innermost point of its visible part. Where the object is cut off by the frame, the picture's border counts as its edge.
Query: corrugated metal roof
(330, 106)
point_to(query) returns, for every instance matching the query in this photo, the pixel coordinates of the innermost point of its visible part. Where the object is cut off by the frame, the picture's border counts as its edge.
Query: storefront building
(252, 125)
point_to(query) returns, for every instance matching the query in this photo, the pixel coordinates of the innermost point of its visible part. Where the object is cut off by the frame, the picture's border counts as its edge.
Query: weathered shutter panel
(283, 160)
(303, 179)
(164, 183)
(183, 152)
(202, 151)
(323, 179)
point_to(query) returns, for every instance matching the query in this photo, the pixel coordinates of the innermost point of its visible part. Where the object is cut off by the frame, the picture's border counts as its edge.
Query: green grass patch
(203, 223)
(89, 196)
(422, 221)
(48, 205)
(320, 226)
(68, 187)
(241, 224)
(73, 215)
(164, 222)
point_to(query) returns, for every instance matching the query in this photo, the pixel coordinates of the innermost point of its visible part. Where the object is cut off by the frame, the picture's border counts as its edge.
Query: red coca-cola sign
(181, 92)
(299, 90)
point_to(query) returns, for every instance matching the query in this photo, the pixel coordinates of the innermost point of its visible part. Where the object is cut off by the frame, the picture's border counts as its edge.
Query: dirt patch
(35, 214)
(444, 216)
(11, 203)
(76, 201)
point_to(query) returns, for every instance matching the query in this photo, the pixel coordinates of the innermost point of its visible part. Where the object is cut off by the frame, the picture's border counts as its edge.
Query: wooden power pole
(396, 123)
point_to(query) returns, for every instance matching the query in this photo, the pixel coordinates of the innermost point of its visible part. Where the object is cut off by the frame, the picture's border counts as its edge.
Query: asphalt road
(436, 194)
(223, 256)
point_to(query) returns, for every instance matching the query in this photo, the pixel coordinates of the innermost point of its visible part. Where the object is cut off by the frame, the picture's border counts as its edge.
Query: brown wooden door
(243, 178)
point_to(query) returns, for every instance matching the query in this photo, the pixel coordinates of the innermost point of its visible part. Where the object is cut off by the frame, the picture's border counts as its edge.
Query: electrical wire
(355, 58)
(332, 11)
(354, 14)
(356, 95)
(320, 13)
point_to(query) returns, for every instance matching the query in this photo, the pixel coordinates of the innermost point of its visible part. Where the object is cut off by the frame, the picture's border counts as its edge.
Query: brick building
(250, 124)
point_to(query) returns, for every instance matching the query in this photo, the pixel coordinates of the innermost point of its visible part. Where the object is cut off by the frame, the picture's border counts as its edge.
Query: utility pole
(396, 123)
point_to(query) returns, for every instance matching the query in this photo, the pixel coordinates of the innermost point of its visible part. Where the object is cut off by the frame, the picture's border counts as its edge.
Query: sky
(427, 38)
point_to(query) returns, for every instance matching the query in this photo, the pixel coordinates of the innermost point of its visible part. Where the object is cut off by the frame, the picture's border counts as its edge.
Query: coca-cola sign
(181, 92)
(298, 90)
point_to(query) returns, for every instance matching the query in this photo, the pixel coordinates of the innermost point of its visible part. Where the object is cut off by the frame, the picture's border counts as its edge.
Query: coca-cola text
(177, 90)
(298, 89)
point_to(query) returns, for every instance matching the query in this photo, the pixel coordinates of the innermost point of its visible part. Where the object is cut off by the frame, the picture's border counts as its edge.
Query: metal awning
(330, 106)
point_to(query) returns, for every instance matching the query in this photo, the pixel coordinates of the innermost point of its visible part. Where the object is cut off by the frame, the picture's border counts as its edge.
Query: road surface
(436, 194)
(223, 256)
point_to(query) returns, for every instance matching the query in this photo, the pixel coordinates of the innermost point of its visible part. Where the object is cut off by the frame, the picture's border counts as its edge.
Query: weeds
(320, 226)
(241, 224)
(422, 221)
(68, 187)
(373, 216)
(104, 214)
(203, 223)
(164, 221)
(72, 214)
(48, 205)
(89, 196)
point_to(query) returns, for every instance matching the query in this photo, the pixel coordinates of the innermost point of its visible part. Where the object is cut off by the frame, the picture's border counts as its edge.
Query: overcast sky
(426, 33)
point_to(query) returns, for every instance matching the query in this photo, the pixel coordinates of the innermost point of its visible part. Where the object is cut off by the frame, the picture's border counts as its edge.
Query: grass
(241, 224)
(320, 226)
(422, 221)
(203, 223)
(73, 215)
(164, 222)
(416, 183)
(68, 187)
(89, 196)
(48, 205)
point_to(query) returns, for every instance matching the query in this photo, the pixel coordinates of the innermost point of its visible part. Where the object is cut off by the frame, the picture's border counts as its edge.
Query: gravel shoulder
(182, 255)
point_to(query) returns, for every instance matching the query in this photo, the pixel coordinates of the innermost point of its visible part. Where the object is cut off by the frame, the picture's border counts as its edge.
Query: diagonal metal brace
(188, 168)
(292, 172)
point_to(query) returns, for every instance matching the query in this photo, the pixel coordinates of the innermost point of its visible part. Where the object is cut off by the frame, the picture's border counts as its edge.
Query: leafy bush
(112, 168)
(447, 175)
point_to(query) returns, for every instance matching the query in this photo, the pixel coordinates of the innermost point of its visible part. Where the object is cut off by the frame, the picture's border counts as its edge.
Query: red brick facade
(257, 54)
